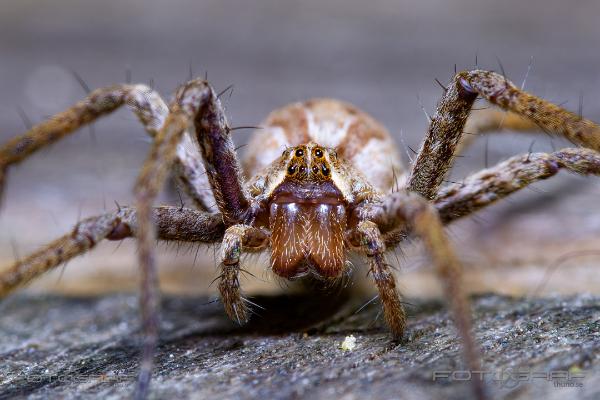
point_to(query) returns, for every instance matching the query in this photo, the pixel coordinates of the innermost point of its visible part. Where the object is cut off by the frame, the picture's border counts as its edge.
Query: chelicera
(321, 175)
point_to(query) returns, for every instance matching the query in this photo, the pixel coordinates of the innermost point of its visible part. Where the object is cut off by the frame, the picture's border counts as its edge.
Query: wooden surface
(88, 348)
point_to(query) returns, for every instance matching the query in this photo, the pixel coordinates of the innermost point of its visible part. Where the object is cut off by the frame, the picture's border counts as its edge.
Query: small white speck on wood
(349, 343)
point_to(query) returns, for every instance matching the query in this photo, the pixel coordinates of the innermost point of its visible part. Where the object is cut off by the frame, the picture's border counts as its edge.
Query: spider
(322, 174)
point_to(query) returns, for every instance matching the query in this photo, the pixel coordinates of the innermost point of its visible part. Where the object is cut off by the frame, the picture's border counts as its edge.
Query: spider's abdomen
(355, 135)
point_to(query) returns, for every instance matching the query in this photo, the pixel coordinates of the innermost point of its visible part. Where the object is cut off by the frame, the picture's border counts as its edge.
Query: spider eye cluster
(307, 162)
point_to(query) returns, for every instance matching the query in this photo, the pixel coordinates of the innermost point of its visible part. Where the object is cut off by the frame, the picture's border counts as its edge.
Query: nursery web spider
(321, 183)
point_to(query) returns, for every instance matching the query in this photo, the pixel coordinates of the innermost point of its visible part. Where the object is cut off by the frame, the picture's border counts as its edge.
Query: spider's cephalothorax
(334, 158)
(314, 187)
(307, 215)
(328, 193)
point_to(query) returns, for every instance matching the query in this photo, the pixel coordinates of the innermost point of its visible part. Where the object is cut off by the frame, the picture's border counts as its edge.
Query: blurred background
(381, 55)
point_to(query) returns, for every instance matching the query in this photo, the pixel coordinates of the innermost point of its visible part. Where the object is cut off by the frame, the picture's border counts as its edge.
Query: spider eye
(299, 153)
(302, 169)
(315, 169)
(325, 170)
(291, 169)
(318, 153)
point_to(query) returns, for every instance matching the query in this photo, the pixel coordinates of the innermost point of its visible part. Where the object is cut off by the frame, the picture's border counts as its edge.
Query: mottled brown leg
(146, 104)
(221, 162)
(487, 186)
(439, 147)
(492, 184)
(417, 214)
(447, 125)
(173, 223)
(549, 117)
(393, 311)
(237, 238)
(196, 102)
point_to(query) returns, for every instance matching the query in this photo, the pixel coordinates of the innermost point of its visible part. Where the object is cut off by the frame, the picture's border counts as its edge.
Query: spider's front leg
(409, 210)
(237, 238)
(151, 111)
(374, 246)
(195, 102)
(233, 200)
(221, 163)
(446, 128)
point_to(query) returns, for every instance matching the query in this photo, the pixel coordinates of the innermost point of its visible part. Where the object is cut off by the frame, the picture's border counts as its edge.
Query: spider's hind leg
(191, 226)
(492, 184)
(82, 238)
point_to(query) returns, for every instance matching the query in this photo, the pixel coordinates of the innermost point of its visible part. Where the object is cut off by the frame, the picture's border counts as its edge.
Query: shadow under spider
(308, 312)
(314, 310)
